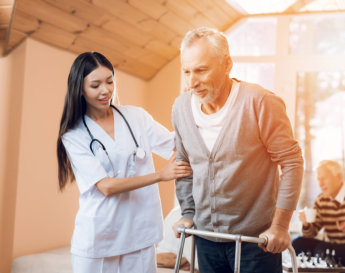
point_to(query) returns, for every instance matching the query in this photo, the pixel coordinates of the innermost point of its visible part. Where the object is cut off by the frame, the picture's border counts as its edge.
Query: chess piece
(308, 256)
(317, 256)
(333, 258)
(328, 258)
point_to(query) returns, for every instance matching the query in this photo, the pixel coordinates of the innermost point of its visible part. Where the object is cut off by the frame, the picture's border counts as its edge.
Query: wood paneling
(6, 7)
(138, 36)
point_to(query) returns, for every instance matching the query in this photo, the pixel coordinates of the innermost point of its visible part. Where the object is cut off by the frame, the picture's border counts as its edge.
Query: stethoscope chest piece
(140, 153)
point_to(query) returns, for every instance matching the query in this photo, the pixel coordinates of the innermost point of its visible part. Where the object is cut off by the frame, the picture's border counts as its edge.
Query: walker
(238, 238)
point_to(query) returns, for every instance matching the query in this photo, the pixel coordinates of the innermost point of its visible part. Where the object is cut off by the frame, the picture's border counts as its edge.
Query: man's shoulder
(182, 101)
(253, 89)
(183, 98)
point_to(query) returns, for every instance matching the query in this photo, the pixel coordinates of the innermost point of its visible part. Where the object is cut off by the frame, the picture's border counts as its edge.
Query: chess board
(320, 263)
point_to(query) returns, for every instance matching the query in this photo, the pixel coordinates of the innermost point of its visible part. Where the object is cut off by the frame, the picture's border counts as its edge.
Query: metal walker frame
(238, 238)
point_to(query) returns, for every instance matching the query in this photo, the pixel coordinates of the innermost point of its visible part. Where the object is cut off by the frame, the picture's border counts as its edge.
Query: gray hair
(217, 40)
(331, 165)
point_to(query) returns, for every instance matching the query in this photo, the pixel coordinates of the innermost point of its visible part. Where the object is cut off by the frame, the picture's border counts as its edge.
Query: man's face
(330, 184)
(203, 70)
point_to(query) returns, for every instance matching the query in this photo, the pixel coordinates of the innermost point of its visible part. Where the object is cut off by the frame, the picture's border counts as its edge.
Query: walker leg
(293, 259)
(192, 256)
(180, 252)
(238, 255)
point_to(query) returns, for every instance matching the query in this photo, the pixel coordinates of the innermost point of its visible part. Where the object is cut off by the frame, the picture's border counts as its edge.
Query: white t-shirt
(209, 126)
(124, 222)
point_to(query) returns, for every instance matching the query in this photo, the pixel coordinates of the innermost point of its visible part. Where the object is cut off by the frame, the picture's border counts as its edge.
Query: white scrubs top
(124, 222)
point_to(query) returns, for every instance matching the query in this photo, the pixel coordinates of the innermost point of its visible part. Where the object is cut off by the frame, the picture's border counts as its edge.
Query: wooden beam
(5, 14)
(16, 39)
(340, 11)
(6, 2)
(297, 6)
(24, 22)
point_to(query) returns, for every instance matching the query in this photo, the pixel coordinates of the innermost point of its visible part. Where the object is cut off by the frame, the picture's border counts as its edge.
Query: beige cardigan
(235, 188)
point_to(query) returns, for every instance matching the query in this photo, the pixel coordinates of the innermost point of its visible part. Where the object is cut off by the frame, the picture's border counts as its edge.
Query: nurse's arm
(172, 170)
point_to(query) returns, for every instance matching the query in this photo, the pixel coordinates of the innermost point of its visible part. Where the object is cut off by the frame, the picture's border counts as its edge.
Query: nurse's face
(98, 89)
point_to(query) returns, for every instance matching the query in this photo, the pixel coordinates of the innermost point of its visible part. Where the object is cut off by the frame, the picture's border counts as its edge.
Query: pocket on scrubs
(92, 231)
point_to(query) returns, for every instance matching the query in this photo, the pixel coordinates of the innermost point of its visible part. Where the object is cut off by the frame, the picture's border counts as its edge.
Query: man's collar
(341, 194)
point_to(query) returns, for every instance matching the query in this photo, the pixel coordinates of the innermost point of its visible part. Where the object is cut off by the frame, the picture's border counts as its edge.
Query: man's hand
(278, 233)
(302, 218)
(278, 239)
(183, 222)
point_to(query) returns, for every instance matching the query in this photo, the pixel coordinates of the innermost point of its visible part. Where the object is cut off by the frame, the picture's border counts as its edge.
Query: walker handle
(262, 240)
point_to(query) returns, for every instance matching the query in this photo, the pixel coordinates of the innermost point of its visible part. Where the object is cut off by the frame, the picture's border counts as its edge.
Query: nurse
(108, 151)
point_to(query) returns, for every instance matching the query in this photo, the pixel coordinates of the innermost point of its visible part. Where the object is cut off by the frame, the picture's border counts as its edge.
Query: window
(254, 37)
(320, 126)
(260, 73)
(324, 34)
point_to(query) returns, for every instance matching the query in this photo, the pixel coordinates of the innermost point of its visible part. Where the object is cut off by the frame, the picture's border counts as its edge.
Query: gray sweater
(236, 187)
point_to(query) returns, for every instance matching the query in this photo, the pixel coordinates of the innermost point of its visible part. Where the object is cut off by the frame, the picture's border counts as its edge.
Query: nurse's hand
(183, 222)
(175, 170)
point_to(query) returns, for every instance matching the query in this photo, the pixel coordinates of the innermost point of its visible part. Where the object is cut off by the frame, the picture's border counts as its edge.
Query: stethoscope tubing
(96, 140)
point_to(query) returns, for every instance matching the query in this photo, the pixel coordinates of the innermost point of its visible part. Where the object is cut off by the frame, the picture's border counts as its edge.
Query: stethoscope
(139, 152)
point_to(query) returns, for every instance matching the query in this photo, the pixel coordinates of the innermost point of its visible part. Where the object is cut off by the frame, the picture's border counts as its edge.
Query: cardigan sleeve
(183, 186)
(277, 136)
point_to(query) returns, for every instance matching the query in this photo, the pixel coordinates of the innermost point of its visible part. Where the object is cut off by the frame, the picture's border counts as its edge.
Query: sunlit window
(317, 35)
(262, 6)
(254, 37)
(324, 5)
(260, 73)
(320, 123)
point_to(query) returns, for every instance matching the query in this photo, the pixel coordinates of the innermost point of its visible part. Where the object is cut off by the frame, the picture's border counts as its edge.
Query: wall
(11, 86)
(34, 215)
(43, 216)
(163, 89)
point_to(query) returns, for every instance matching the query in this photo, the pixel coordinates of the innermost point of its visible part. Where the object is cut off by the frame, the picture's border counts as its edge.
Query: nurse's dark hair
(75, 106)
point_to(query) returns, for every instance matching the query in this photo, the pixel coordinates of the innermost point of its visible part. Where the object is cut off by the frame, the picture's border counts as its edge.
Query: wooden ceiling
(138, 36)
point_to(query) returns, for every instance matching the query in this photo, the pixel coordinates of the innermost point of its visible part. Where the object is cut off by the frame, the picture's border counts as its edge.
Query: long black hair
(75, 106)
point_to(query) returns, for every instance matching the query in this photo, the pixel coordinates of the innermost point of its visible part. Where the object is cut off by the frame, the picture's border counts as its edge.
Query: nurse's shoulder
(78, 134)
(135, 112)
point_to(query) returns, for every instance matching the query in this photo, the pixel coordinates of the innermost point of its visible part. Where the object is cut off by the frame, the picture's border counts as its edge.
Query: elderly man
(234, 134)
(330, 214)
